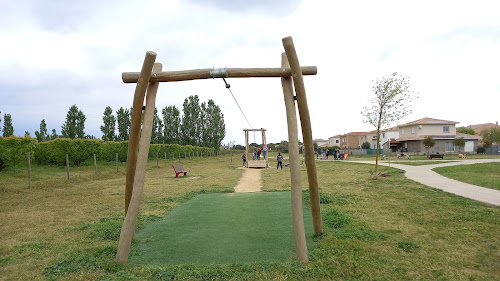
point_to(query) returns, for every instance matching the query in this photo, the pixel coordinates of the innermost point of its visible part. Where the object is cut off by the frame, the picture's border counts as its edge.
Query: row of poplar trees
(200, 124)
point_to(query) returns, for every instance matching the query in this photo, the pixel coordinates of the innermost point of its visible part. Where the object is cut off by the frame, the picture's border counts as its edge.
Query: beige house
(412, 134)
(352, 140)
(321, 142)
(334, 141)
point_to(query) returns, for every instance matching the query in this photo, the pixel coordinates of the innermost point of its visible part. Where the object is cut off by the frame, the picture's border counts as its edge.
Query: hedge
(13, 150)
(54, 151)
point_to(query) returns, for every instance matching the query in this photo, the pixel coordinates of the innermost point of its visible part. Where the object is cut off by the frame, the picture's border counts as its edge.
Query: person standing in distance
(280, 161)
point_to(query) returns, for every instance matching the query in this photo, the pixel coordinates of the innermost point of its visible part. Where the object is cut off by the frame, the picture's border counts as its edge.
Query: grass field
(485, 175)
(386, 229)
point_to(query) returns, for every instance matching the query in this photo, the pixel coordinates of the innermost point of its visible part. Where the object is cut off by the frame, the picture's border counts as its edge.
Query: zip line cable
(229, 88)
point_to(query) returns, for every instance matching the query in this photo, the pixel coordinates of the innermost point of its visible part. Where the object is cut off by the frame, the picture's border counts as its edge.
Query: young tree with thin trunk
(392, 102)
(8, 128)
(429, 142)
(54, 135)
(460, 142)
(109, 121)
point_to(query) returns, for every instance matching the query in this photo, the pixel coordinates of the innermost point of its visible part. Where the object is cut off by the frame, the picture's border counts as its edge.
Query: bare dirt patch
(250, 181)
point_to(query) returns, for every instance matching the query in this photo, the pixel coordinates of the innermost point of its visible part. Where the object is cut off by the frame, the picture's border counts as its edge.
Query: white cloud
(63, 53)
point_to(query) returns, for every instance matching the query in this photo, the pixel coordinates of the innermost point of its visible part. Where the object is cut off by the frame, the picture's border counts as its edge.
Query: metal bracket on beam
(218, 73)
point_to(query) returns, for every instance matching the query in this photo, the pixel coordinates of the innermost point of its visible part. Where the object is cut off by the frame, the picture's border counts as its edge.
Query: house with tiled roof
(412, 134)
(334, 141)
(352, 140)
(479, 128)
(321, 142)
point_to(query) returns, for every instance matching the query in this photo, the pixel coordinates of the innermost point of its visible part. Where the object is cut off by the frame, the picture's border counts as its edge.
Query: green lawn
(222, 228)
(386, 229)
(422, 163)
(485, 174)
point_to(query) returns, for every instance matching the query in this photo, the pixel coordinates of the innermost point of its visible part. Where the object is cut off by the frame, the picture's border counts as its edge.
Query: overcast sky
(57, 53)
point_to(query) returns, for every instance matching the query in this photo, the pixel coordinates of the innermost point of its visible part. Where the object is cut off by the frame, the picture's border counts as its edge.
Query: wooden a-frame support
(252, 163)
(147, 85)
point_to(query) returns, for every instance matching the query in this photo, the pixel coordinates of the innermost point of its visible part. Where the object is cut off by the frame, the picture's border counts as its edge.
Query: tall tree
(191, 122)
(171, 124)
(42, 135)
(0, 120)
(8, 128)
(214, 126)
(109, 121)
(123, 117)
(54, 135)
(74, 127)
(156, 134)
(392, 102)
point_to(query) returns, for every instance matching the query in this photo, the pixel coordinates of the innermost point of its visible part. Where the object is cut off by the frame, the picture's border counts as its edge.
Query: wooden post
(193, 74)
(128, 227)
(184, 154)
(117, 162)
(135, 127)
(29, 169)
(67, 165)
(166, 159)
(231, 157)
(312, 174)
(95, 165)
(246, 147)
(296, 181)
(157, 159)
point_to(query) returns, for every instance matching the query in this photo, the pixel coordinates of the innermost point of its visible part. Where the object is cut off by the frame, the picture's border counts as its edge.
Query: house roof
(429, 121)
(355, 133)
(319, 140)
(439, 137)
(336, 136)
(478, 128)
(396, 128)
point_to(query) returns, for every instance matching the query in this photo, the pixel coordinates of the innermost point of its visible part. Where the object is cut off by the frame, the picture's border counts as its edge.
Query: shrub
(365, 145)
(13, 150)
(480, 150)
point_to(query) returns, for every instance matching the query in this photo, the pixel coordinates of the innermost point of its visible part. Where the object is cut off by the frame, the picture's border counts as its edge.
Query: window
(336, 141)
(449, 146)
(402, 131)
(446, 129)
(413, 130)
(383, 135)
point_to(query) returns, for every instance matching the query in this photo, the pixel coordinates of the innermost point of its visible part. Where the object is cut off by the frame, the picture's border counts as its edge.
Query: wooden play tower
(256, 163)
(147, 82)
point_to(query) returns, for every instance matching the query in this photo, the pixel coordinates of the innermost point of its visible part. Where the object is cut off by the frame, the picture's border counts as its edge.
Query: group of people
(256, 154)
(258, 151)
(326, 153)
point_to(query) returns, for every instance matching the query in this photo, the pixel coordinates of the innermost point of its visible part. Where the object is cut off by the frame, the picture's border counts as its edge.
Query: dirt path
(251, 181)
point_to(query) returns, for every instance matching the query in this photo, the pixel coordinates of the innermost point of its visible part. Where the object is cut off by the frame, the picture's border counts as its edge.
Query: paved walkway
(424, 174)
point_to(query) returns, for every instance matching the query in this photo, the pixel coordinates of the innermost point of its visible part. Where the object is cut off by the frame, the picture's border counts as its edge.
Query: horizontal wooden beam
(252, 130)
(182, 75)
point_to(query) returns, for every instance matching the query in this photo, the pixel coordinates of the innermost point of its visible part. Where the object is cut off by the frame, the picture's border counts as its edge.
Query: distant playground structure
(147, 82)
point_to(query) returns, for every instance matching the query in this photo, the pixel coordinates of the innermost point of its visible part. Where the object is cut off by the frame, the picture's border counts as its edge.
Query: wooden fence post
(117, 162)
(67, 165)
(95, 165)
(157, 159)
(29, 169)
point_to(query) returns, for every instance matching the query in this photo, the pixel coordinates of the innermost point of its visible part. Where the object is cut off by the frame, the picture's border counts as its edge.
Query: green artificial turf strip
(222, 228)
